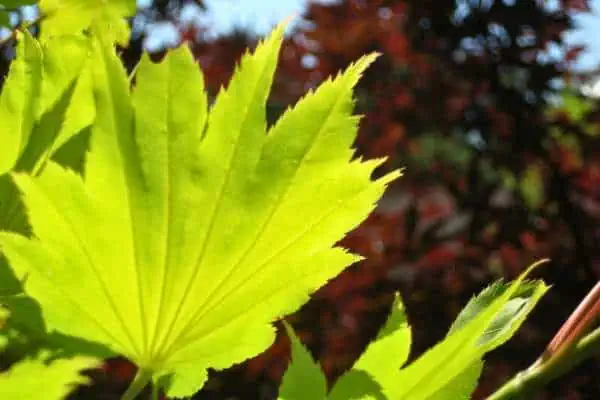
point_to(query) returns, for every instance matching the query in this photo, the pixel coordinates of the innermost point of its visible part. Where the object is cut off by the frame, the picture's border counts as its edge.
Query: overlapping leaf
(381, 361)
(67, 17)
(31, 378)
(488, 321)
(449, 371)
(38, 375)
(18, 101)
(303, 378)
(369, 378)
(191, 231)
(41, 110)
(44, 102)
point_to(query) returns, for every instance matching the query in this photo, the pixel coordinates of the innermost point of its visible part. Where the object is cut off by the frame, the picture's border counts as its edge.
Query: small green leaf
(58, 75)
(576, 105)
(478, 333)
(81, 111)
(381, 360)
(462, 386)
(357, 384)
(303, 379)
(532, 188)
(66, 17)
(18, 101)
(53, 380)
(49, 111)
(509, 319)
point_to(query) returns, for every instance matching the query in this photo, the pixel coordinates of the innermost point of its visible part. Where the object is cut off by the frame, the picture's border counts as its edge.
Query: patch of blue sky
(224, 16)
(259, 16)
(587, 34)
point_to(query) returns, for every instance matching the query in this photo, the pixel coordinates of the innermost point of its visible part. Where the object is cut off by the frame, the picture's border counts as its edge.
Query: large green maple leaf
(191, 231)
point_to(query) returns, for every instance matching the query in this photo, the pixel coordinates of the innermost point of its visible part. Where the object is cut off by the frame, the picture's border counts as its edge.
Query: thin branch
(565, 351)
(578, 323)
(524, 384)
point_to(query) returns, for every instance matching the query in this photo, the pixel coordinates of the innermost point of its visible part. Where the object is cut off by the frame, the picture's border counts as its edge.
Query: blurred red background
(480, 102)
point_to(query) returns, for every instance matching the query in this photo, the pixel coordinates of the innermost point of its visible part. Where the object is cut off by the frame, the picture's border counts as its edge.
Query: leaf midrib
(292, 242)
(274, 208)
(209, 305)
(71, 227)
(213, 217)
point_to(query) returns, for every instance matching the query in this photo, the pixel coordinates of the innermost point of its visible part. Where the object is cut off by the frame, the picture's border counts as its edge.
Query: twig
(525, 383)
(565, 351)
(578, 323)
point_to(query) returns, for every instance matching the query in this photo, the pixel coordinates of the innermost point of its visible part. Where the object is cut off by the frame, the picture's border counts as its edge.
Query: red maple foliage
(496, 176)
(461, 97)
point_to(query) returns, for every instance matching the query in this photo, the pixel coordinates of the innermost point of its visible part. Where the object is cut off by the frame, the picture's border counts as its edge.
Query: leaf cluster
(138, 221)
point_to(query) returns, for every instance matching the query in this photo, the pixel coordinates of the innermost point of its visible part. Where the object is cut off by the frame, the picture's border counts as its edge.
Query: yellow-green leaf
(191, 231)
(66, 17)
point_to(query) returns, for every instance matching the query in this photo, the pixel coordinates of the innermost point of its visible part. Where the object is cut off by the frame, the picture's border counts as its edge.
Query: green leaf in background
(44, 115)
(5, 19)
(488, 321)
(52, 380)
(66, 106)
(16, 3)
(373, 375)
(303, 379)
(18, 101)
(36, 96)
(531, 186)
(576, 105)
(462, 386)
(578, 108)
(509, 318)
(192, 231)
(381, 360)
(66, 17)
(40, 375)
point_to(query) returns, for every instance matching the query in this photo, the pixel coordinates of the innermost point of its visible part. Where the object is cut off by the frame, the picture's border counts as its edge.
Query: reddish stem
(576, 326)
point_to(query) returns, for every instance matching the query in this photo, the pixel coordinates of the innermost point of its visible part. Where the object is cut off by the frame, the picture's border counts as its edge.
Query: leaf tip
(534, 266)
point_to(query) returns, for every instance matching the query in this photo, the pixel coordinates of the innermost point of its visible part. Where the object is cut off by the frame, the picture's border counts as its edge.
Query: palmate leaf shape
(190, 231)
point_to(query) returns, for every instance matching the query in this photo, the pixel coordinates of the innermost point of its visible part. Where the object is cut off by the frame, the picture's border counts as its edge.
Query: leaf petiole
(141, 380)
